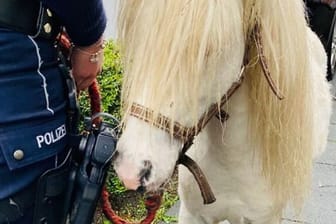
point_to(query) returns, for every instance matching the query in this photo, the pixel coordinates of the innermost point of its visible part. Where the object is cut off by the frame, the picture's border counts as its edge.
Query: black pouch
(52, 195)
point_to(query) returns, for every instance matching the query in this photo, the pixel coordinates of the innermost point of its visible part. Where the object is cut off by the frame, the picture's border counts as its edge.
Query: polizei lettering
(51, 137)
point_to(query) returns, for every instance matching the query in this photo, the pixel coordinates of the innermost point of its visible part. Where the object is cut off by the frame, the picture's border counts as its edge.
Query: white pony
(181, 56)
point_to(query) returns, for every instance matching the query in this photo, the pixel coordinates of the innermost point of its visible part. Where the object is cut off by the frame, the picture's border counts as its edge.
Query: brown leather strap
(179, 131)
(207, 194)
(162, 122)
(264, 66)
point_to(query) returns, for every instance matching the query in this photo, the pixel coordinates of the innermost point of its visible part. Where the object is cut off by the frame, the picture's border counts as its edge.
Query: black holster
(94, 158)
(52, 195)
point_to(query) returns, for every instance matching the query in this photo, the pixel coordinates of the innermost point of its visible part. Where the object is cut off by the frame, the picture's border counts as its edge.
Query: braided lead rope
(152, 204)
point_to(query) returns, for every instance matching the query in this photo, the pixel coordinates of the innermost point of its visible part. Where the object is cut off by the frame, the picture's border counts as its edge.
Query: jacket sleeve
(84, 20)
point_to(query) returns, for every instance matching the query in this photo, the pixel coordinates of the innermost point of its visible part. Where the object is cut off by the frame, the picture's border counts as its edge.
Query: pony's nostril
(141, 189)
(145, 172)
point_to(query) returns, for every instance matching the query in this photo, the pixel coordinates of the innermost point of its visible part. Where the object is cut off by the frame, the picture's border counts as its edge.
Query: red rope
(95, 100)
(152, 203)
(107, 209)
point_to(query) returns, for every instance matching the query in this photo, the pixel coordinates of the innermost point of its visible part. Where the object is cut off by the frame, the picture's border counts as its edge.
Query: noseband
(187, 134)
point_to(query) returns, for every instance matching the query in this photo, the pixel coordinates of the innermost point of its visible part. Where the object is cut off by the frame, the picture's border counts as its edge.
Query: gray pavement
(320, 207)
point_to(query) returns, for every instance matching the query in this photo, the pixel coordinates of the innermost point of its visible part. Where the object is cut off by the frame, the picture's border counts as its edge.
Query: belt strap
(29, 17)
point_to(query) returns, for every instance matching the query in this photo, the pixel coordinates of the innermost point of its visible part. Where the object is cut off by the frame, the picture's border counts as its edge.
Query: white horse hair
(182, 56)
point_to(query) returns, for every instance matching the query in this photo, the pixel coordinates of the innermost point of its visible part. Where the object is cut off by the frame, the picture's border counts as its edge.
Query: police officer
(33, 93)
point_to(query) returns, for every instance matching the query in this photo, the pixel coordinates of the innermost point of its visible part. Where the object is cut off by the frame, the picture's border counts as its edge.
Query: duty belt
(29, 17)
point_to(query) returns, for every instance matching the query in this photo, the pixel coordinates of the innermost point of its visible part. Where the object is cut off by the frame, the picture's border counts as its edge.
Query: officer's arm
(85, 22)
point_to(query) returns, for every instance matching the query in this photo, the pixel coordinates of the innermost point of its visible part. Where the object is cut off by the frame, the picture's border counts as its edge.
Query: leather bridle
(187, 134)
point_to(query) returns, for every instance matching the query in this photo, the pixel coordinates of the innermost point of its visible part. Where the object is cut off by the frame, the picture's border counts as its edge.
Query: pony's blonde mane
(172, 45)
(284, 127)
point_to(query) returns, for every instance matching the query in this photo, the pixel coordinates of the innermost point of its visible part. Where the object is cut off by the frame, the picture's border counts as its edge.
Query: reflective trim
(40, 62)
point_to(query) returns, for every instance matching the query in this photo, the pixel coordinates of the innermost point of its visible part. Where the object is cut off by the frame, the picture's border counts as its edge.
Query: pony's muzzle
(127, 171)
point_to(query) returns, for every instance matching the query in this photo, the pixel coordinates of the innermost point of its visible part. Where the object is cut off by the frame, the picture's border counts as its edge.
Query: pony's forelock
(171, 47)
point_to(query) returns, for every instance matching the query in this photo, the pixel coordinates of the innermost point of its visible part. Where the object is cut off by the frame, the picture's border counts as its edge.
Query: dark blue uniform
(33, 109)
(33, 134)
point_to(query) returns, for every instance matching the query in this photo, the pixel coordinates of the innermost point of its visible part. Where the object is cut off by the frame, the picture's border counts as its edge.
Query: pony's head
(181, 57)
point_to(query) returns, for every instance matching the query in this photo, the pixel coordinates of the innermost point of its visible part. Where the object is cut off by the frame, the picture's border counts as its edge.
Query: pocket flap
(25, 146)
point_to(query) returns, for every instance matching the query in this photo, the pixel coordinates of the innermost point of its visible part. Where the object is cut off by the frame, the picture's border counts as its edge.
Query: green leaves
(110, 80)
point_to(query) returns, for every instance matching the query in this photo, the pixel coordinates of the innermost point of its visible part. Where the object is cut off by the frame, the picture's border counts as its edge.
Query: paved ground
(321, 206)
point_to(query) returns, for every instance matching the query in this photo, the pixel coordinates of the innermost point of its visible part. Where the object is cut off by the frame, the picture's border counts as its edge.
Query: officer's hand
(87, 63)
